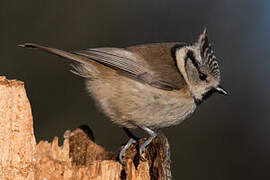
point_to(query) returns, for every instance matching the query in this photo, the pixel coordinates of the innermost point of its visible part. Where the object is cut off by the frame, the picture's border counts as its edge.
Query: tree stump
(78, 158)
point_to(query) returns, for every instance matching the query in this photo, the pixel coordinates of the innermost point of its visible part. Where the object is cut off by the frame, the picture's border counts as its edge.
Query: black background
(226, 138)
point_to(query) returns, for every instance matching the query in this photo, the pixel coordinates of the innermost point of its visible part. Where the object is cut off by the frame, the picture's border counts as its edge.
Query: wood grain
(78, 158)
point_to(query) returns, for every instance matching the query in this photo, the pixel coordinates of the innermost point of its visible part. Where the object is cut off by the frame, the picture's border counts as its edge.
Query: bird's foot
(134, 139)
(125, 148)
(148, 141)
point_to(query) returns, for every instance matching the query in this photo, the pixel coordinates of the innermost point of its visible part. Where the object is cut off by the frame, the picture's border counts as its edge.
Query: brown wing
(159, 58)
(150, 64)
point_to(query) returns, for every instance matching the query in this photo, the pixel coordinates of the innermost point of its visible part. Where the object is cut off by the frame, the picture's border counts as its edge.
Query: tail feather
(57, 52)
(84, 66)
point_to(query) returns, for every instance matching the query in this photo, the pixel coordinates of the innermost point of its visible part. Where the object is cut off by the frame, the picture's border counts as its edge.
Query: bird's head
(199, 67)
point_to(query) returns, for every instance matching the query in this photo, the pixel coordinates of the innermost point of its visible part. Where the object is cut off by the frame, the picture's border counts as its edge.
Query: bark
(78, 158)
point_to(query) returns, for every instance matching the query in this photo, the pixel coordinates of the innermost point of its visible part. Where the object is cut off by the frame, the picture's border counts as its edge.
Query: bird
(149, 86)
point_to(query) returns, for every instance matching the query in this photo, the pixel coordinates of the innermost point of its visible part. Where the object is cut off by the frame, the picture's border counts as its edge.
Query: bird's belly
(135, 104)
(163, 112)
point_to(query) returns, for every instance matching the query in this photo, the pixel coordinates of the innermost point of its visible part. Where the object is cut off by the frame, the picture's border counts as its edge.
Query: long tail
(57, 52)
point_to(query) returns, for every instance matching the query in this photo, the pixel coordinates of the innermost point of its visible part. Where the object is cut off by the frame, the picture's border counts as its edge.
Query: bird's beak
(220, 90)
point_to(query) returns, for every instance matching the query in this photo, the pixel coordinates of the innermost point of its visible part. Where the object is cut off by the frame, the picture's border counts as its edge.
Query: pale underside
(137, 86)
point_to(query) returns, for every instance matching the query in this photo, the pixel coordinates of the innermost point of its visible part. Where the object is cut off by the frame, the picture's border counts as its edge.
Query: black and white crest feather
(207, 54)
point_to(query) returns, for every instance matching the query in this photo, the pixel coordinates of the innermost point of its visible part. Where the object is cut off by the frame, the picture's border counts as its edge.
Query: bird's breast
(131, 104)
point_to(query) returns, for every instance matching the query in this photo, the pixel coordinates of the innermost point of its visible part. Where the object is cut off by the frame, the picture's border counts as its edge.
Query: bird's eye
(202, 76)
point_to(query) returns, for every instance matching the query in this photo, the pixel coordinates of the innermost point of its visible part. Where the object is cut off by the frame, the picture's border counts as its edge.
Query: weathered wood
(78, 158)
(17, 141)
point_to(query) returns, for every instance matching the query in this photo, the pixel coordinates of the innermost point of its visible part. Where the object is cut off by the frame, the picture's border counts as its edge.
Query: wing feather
(128, 62)
(151, 64)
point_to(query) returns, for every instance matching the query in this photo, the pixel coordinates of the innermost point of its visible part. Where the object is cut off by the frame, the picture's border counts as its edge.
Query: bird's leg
(129, 134)
(149, 140)
(123, 151)
(132, 140)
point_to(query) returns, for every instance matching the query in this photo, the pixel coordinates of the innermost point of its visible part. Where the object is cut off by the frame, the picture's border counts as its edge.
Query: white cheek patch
(180, 60)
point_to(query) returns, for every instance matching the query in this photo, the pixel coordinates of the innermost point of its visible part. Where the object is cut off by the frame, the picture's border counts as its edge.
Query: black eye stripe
(175, 48)
(202, 76)
(190, 55)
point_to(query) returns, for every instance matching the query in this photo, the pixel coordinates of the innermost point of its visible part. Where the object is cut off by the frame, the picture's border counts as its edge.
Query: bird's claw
(124, 149)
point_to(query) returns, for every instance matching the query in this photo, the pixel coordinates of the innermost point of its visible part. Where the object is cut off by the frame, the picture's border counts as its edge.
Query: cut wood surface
(78, 158)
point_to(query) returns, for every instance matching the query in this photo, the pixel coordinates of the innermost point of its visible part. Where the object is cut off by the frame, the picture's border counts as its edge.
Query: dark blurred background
(226, 138)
